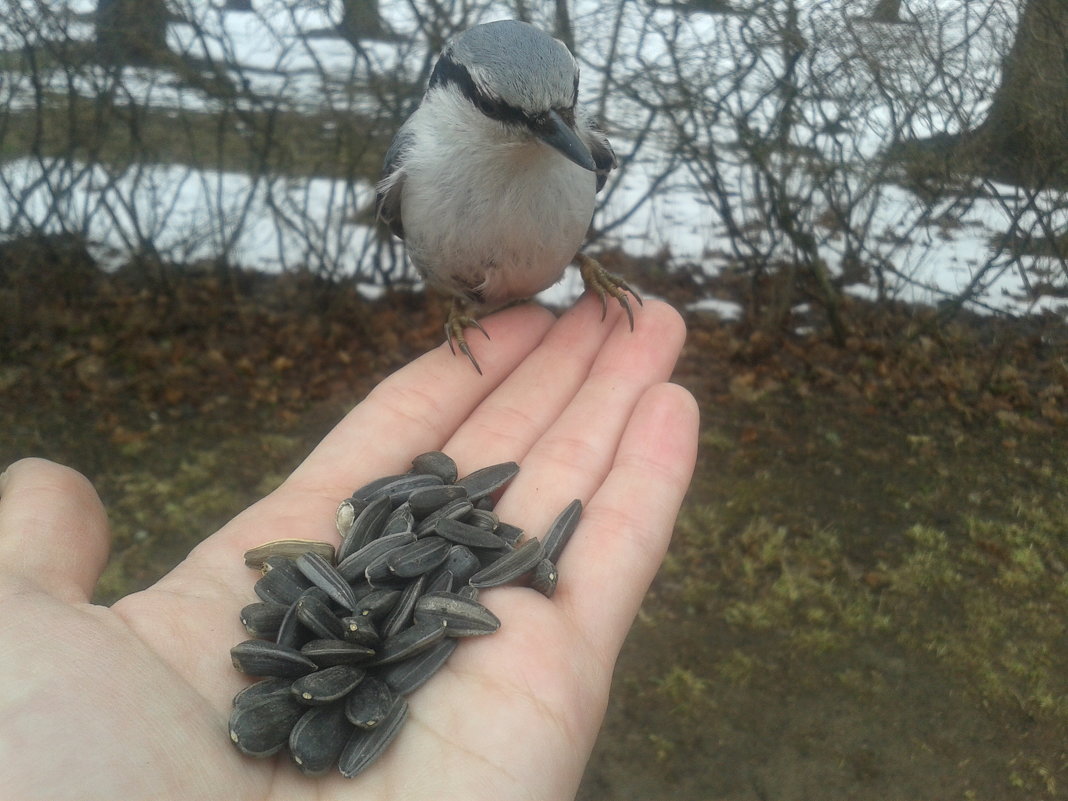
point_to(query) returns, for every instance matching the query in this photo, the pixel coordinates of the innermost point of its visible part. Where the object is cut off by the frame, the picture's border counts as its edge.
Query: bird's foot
(458, 320)
(598, 279)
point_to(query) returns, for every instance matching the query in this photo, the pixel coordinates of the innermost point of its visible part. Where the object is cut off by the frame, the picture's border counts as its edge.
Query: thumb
(53, 529)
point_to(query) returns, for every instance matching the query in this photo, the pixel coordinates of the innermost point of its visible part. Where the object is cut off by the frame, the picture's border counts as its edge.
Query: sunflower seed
(401, 613)
(365, 746)
(264, 688)
(355, 565)
(510, 566)
(440, 581)
(291, 633)
(461, 617)
(418, 558)
(399, 520)
(483, 519)
(262, 658)
(561, 530)
(401, 488)
(509, 533)
(488, 480)
(408, 676)
(544, 578)
(315, 613)
(281, 584)
(465, 534)
(365, 527)
(327, 685)
(437, 464)
(262, 620)
(461, 562)
(326, 577)
(318, 737)
(260, 728)
(290, 549)
(453, 509)
(368, 491)
(379, 575)
(327, 653)
(369, 703)
(377, 604)
(409, 642)
(360, 630)
(468, 592)
(429, 499)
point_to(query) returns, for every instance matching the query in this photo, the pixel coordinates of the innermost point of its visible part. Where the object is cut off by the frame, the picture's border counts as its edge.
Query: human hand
(132, 701)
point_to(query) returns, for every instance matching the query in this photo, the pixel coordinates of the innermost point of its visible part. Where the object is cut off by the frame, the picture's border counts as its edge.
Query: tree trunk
(360, 20)
(1024, 138)
(132, 31)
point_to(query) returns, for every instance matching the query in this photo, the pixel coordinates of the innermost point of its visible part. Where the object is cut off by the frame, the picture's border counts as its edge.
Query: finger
(626, 527)
(53, 529)
(414, 410)
(515, 415)
(571, 457)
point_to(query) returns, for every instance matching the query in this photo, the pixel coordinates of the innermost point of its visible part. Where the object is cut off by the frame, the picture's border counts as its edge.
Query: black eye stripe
(446, 72)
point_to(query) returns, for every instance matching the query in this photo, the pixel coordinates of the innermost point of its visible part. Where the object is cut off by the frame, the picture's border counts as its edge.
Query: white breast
(486, 211)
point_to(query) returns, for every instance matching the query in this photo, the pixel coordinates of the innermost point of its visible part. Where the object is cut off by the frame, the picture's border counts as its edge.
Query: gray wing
(391, 184)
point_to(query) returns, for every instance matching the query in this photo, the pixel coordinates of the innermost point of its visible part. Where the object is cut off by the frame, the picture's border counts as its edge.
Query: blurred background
(860, 207)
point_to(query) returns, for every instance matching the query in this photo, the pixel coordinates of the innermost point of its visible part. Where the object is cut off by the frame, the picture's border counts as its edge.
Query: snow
(875, 73)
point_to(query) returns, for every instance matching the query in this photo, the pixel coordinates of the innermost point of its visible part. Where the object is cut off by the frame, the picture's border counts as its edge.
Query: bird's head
(519, 76)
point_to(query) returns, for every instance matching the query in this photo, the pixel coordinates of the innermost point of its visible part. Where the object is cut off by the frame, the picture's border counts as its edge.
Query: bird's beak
(560, 136)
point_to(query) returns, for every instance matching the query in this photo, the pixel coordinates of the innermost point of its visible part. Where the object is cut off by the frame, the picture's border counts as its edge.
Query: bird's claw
(598, 279)
(458, 320)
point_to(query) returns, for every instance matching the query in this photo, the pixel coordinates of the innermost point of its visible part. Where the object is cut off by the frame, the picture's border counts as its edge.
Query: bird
(491, 181)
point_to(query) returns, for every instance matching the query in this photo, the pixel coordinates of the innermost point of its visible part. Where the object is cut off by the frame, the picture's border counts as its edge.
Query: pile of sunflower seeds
(340, 639)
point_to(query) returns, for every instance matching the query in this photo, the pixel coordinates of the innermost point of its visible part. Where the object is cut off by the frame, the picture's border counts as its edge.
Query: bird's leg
(458, 320)
(598, 279)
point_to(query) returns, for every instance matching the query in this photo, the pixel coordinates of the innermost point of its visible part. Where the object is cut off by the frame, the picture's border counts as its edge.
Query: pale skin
(131, 701)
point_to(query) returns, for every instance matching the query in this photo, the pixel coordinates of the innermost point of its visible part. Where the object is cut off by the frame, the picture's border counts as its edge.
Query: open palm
(132, 701)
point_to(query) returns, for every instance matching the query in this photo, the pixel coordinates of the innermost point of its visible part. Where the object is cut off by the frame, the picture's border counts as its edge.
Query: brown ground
(866, 594)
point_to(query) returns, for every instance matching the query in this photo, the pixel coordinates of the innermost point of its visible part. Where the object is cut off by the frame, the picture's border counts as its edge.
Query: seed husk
(437, 464)
(365, 527)
(369, 490)
(262, 620)
(544, 578)
(290, 549)
(327, 578)
(462, 617)
(510, 566)
(318, 737)
(440, 581)
(418, 558)
(346, 516)
(291, 633)
(369, 703)
(561, 530)
(327, 653)
(364, 746)
(260, 728)
(327, 685)
(466, 534)
(482, 518)
(262, 658)
(429, 499)
(462, 563)
(408, 676)
(409, 642)
(488, 480)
